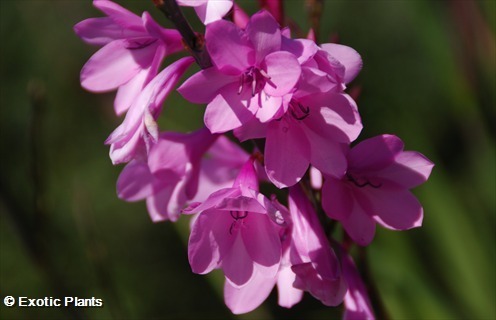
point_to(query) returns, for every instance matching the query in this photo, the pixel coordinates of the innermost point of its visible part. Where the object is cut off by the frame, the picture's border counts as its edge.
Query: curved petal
(337, 200)
(203, 86)
(157, 203)
(134, 182)
(237, 263)
(227, 111)
(287, 153)
(303, 49)
(262, 243)
(121, 16)
(250, 296)
(100, 31)
(408, 170)
(396, 209)
(375, 153)
(115, 64)
(348, 57)
(127, 93)
(229, 47)
(359, 225)
(284, 72)
(213, 10)
(203, 249)
(333, 116)
(264, 34)
(288, 295)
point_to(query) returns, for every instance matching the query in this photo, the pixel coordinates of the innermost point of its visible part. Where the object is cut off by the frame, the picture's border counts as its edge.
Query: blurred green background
(429, 77)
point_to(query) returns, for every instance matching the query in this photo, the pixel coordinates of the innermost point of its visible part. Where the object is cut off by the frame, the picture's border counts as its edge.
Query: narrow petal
(264, 33)
(284, 72)
(128, 92)
(348, 57)
(270, 107)
(287, 153)
(229, 47)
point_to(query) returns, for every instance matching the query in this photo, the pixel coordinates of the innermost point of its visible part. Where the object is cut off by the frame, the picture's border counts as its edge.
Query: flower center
(254, 78)
(237, 215)
(362, 182)
(297, 110)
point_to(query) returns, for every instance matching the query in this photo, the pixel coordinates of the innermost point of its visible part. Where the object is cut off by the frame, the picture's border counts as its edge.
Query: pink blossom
(255, 292)
(250, 76)
(133, 48)
(170, 175)
(376, 187)
(234, 232)
(356, 301)
(316, 130)
(139, 131)
(313, 260)
(208, 10)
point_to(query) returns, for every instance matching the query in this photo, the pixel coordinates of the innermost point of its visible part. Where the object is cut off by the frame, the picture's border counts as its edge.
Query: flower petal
(393, 208)
(203, 86)
(229, 47)
(250, 296)
(115, 64)
(227, 111)
(237, 263)
(135, 181)
(264, 33)
(348, 57)
(408, 170)
(337, 200)
(213, 10)
(284, 72)
(359, 225)
(375, 153)
(287, 153)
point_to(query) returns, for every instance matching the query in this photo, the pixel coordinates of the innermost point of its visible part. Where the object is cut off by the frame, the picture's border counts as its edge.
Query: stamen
(302, 109)
(364, 184)
(264, 74)
(241, 83)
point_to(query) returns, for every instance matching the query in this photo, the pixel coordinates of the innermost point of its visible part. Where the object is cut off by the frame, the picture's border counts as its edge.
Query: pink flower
(376, 188)
(256, 291)
(250, 76)
(356, 301)
(234, 232)
(139, 131)
(133, 49)
(208, 10)
(313, 260)
(316, 130)
(170, 175)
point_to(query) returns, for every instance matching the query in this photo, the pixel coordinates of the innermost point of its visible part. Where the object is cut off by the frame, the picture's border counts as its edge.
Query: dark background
(429, 77)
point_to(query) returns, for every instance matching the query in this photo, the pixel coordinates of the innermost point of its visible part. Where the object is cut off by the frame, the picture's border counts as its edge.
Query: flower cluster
(288, 96)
